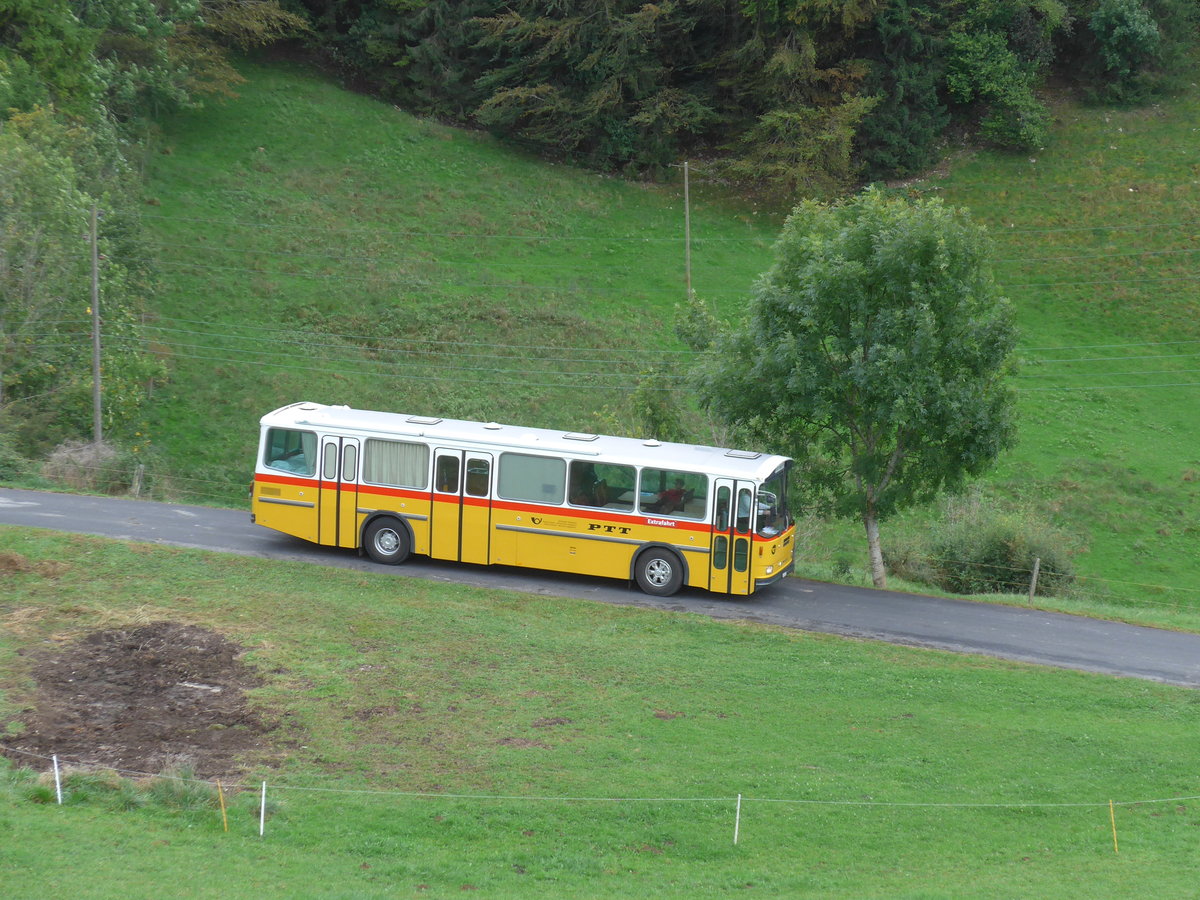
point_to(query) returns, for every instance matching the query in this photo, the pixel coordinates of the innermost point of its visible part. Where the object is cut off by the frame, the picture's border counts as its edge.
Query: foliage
(200, 47)
(1129, 42)
(98, 468)
(803, 152)
(982, 69)
(594, 80)
(12, 464)
(51, 42)
(56, 174)
(901, 133)
(43, 215)
(976, 544)
(79, 82)
(874, 350)
(979, 548)
(20, 88)
(794, 96)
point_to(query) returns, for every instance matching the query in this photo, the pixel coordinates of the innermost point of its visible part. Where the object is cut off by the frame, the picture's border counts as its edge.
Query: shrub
(91, 467)
(908, 558)
(980, 549)
(1129, 41)
(12, 464)
(983, 70)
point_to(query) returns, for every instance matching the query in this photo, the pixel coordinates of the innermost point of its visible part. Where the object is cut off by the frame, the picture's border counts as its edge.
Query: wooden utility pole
(687, 234)
(97, 433)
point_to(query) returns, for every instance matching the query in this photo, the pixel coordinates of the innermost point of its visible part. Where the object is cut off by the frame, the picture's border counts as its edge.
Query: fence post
(737, 820)
(1037, 565)
(262, 811)
(57, 780)
(138, 474)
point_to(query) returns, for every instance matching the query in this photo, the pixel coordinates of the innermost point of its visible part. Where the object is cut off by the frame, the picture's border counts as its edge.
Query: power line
(463, 235)
(581, 378)
(1107, 346)
(1120, 358)
(1108, 281)
(1035, 259)
(1105, 387)
(491, 345)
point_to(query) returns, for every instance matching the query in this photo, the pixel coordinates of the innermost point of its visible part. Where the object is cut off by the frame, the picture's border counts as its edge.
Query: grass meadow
(319, 244)
(434, 739)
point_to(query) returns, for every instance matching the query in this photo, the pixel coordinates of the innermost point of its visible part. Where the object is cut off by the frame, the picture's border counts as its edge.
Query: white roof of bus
(662, 454)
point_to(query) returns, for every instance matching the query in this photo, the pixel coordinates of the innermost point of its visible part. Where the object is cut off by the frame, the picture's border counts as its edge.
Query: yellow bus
(660, 514)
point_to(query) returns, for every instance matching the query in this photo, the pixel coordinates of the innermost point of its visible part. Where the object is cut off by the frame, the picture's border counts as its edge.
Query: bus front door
(729, 571)
(337, 519)
(461, 523)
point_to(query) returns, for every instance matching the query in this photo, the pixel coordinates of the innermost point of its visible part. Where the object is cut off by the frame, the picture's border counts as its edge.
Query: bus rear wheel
(386, 541)
(659, 573)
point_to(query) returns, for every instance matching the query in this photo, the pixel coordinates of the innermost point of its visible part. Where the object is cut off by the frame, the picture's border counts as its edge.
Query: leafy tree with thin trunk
(874, 351)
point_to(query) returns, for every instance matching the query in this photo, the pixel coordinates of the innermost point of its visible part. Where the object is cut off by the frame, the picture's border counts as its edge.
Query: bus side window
(446, 477)
(478, 477)
(329, 468)
(743, 513)
(721, 520)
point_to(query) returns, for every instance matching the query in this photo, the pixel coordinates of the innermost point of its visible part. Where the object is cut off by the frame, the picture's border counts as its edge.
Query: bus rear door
(461, 524)
(338, 515)
(729, 571)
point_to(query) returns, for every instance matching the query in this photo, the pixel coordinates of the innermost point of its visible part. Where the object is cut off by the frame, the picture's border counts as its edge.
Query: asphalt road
(1027, 635)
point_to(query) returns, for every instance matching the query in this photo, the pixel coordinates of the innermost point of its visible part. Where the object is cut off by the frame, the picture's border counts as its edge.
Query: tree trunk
(878, 574)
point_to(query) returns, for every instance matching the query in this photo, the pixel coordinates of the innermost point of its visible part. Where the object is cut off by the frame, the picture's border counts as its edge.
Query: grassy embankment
(319, 244)
(866, 770)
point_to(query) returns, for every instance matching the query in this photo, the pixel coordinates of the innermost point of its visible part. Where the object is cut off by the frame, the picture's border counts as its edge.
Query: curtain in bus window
(396, 463)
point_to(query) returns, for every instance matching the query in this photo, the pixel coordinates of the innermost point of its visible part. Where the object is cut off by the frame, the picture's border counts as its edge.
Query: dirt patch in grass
(148, 699)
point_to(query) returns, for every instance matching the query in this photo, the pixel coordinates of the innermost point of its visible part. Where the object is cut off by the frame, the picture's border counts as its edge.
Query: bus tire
(658, 572)
(386, 541)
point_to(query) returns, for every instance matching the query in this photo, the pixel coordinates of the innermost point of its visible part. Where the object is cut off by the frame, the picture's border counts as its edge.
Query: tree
(43, 220)
(874, 351)
(901, 134)
(603, 80)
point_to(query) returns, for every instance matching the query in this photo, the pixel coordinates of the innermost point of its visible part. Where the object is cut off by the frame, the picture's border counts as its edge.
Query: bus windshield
(773, 515)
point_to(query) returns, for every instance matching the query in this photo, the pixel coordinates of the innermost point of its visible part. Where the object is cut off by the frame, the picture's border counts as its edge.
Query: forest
(804, 96)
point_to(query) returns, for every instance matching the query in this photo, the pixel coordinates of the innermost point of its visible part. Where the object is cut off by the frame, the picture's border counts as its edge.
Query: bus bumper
(783, 573)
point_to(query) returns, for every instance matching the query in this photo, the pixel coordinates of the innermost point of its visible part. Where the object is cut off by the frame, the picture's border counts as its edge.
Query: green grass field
(436, 739)
(318, 244)
(440, 739)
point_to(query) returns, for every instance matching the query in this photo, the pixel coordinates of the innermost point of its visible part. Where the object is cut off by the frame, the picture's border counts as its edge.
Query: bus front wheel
(386, 541)
(659, 572)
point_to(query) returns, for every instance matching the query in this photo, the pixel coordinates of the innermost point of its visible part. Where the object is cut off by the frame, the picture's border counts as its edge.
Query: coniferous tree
(900, 135)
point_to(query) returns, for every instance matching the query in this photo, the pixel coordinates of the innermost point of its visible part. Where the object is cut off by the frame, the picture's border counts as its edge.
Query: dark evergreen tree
(900, 135)
(593, 78)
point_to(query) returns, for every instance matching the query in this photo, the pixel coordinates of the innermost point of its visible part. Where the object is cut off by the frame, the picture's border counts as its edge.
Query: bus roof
(491, 435)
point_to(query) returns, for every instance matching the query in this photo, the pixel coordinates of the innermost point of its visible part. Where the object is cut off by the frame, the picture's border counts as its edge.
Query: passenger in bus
(671, 499)
(586, 488)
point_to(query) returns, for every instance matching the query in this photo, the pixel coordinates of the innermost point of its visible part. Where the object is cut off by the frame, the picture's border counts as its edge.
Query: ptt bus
(661, 514)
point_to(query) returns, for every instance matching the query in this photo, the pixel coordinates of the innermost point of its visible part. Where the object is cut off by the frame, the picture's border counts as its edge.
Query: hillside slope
(317, 243)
